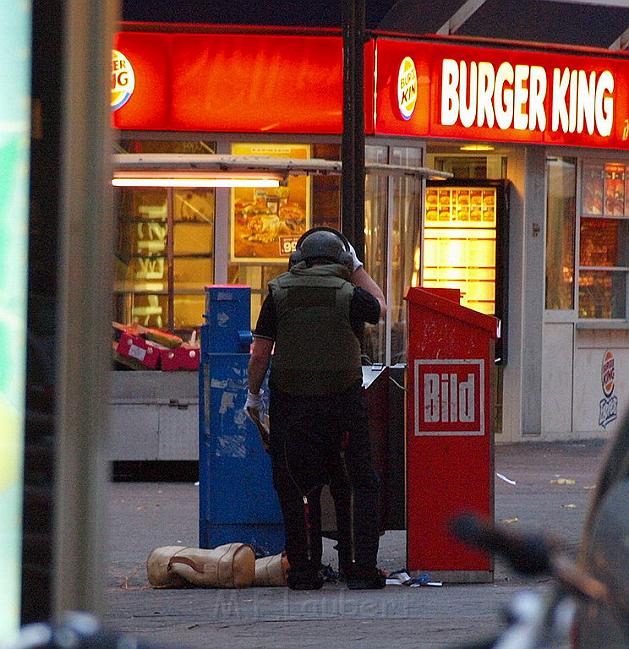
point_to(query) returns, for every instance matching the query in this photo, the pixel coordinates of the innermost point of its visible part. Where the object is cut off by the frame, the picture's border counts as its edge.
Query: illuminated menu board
(460, 243)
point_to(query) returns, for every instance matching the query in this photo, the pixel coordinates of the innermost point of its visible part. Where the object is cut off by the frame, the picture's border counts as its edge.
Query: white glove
(356, 263)
(253, 404)
(253, 408)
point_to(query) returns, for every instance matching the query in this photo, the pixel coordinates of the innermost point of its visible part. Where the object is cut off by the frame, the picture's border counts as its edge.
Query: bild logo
(449, 397)
(608, 405)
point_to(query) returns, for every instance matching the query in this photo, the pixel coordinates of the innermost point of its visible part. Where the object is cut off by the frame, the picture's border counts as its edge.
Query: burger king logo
(608, 405)
(607, 373)
(407, 87)
(122, 80)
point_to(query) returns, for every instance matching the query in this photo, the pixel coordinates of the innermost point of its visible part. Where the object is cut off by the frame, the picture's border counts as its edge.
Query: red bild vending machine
(449, 438)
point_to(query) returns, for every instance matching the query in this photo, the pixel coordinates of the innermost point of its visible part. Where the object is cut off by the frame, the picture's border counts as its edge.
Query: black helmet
(322, 243)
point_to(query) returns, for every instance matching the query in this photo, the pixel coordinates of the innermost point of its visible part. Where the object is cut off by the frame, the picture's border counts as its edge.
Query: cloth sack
(271, 571)
(226, 566)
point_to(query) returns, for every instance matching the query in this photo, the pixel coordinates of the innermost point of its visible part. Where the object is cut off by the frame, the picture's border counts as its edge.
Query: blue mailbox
(237, 501)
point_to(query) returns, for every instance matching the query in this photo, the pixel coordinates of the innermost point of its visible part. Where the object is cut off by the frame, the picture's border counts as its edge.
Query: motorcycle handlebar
(528, 554)
(533, 554)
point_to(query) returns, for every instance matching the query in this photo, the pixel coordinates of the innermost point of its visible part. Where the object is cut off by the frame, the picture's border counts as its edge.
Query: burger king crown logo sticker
(122, 80)
(608, 405)
(407, 87)
(607, 373)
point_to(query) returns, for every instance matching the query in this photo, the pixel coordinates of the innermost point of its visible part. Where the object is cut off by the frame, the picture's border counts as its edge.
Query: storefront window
(376, 242)
(405, 240)
(560, 230)
(604, 241)
(165, 243)
(265, 224)
(390, 244)
(602, 294)
(164, 251)
(470, 166)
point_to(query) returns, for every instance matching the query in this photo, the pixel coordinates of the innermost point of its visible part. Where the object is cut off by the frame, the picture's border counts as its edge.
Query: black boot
(306, 578)
(360, 577)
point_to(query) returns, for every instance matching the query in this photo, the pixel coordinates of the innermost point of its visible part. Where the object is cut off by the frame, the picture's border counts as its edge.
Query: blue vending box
(237, 501)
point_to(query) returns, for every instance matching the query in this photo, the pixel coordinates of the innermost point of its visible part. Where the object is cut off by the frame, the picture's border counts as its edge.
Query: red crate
(143, 351)
(180, 358)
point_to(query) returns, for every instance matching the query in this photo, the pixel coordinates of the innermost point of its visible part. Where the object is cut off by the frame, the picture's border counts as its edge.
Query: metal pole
(353, 154)
(358, 237)
(349, 110)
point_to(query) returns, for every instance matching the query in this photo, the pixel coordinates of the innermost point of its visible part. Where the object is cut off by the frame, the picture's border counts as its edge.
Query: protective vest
(316, 350)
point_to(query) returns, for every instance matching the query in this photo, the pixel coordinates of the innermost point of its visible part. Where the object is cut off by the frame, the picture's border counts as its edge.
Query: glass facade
(392, 233)
(265, 224)
(587, 220)
(406, 234)
(603, 240)
(166, 249)
(376, 246)
(561, 197)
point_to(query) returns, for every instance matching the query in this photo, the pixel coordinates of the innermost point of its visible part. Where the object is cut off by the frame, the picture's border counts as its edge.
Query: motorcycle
(588, 605)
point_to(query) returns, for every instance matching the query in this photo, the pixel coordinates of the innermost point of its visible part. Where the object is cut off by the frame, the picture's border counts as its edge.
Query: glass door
(405, 228)
(392, 234)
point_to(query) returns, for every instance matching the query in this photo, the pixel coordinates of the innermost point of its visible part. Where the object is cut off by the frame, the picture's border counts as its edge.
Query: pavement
(553, 486)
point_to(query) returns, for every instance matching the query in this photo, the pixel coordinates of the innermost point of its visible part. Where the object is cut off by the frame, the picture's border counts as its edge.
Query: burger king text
(514, 96)
(119, 73)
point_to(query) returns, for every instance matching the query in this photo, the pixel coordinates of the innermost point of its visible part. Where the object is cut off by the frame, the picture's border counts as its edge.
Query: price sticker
(288, 245)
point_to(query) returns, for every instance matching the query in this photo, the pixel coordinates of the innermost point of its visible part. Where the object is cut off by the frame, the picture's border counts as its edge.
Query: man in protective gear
(313, 316)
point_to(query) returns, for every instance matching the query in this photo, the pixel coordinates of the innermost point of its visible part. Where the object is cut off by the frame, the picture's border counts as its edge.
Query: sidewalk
(148, 515)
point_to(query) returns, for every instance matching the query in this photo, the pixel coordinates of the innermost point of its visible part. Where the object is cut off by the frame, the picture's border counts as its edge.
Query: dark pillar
(353, 149)
(39, 456)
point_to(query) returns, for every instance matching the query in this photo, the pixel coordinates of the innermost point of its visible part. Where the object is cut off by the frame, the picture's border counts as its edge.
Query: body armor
(316, 350)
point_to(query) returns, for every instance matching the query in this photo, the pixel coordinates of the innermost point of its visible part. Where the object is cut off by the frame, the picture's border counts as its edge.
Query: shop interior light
(150, 178)
(476, 147)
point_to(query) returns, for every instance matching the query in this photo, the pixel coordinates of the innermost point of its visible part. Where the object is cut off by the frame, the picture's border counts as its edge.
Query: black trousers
(317, 441)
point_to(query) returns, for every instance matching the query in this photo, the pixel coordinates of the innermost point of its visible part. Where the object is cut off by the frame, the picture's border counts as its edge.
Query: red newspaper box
(449, 459)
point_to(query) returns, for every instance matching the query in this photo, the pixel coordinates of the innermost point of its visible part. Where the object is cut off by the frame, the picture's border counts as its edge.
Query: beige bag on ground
(271, 571)
(227, 566)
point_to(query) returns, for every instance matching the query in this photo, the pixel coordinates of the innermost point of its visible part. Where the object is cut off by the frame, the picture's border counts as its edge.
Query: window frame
(170, 257)
(580, 268)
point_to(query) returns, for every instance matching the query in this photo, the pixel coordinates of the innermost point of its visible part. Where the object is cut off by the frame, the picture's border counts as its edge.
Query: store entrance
(465, 237)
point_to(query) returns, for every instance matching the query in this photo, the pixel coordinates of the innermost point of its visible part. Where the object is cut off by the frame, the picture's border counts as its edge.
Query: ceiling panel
(572, 23)
(549, 22)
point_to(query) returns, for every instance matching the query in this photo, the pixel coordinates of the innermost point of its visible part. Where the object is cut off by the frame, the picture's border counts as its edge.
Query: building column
(84, 306)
